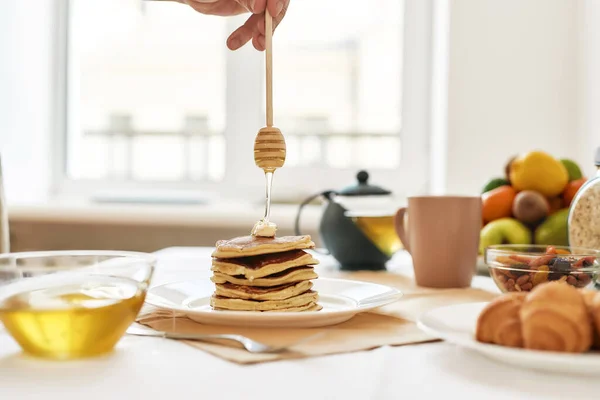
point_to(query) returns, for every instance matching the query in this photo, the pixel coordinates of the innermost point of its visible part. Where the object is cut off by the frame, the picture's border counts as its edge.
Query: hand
(254, 27)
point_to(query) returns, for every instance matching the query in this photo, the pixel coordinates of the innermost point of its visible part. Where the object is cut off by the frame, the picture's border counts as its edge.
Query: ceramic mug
(441, 233)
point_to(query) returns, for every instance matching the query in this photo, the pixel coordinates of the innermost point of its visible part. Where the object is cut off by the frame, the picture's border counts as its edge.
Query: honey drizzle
(269, 179)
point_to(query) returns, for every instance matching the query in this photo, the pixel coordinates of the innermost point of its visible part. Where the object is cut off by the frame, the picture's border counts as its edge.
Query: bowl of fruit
(528, 204)
(520, 268)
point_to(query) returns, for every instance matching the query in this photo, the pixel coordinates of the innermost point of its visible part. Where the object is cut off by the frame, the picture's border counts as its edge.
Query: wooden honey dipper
(269, 144)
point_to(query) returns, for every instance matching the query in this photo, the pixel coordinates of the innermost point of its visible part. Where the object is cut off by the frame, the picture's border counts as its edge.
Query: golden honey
(78, 319)
(380, 231)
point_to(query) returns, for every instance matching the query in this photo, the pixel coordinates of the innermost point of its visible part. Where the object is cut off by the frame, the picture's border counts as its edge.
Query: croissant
(499, 322)
(554, 317)
(592, 301)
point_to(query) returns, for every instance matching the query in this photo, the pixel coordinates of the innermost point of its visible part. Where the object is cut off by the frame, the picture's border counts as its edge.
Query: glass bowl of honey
(72, 304)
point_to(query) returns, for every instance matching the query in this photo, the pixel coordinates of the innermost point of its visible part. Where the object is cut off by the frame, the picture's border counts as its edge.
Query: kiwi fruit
(530, 206)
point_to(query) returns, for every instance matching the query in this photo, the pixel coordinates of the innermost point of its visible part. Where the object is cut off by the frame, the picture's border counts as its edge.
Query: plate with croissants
(555, 328)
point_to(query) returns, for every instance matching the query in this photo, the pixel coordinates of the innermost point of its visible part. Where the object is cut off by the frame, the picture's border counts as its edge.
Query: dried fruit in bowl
(541, 275)
(519, 259)
(521, 273)
(508, 260)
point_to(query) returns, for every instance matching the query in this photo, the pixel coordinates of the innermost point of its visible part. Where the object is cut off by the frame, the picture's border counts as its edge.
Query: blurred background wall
(513, 85)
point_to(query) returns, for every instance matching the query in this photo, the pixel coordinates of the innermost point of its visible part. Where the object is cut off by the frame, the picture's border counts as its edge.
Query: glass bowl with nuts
(520, 268)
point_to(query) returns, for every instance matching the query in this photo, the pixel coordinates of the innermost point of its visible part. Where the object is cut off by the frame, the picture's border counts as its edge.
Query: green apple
(572, 168)
(504, 231)
(554, 230)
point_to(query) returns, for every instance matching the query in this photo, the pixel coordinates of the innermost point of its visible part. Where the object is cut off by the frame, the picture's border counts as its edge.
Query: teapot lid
(363, 188)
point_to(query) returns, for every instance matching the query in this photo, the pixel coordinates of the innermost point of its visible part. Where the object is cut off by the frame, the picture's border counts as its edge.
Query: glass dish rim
(150, 258)
(514, 249)
(508, 249)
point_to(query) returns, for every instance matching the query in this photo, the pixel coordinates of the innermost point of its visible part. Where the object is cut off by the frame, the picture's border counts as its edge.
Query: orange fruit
(556, 203)
(571, 190)
(497, 203)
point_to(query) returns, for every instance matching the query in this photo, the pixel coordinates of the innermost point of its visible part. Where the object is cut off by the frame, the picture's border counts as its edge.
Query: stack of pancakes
(264, 274)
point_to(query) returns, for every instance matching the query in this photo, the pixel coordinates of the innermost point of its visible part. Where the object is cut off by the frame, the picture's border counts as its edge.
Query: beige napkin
(391, 325)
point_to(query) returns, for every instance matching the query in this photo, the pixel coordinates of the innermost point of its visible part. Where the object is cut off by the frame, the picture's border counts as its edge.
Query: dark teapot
(357, 225)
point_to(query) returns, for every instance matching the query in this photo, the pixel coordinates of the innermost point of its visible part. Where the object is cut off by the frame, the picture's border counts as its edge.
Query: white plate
(456, 324)
(341, 300)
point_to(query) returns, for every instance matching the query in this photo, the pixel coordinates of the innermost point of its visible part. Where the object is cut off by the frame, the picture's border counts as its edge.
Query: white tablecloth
(150, 368)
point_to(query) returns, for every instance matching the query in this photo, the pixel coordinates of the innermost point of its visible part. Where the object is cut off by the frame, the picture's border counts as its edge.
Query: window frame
(291, 183)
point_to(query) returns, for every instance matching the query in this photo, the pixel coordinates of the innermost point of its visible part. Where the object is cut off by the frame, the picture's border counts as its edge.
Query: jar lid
(597, 158)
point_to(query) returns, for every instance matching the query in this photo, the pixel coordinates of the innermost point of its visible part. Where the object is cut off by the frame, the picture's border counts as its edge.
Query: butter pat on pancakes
(264, 229)
(253, 273)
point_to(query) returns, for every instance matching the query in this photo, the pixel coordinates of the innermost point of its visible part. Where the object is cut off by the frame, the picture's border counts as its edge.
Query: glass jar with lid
(584, 214)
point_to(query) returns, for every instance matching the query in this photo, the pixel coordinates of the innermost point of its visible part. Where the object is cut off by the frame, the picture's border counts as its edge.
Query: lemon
(539, 171)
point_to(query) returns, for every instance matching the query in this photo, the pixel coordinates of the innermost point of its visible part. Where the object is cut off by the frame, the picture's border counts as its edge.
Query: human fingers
(259, 37)
(275, 7)
(244, 33)
(258, 44)
(217, 7)
(277, 16)
(254, 27)
(254, 6)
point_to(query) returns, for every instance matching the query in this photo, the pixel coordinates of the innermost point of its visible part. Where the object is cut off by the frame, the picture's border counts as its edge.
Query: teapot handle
(327, 194)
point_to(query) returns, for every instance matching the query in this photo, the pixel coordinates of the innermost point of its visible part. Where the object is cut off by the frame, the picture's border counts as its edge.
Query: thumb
(276, 7)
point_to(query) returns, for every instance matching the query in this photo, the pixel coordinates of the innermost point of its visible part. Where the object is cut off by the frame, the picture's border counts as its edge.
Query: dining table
(157, 368)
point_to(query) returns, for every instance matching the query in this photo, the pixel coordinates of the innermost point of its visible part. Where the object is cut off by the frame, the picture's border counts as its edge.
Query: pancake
(308, 307)
(245, 246)
(281, 292)
(262, 265)
(268, 305)
(289, 276)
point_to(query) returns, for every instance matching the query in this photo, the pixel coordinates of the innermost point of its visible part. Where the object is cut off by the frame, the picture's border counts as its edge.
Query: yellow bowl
(72, 304)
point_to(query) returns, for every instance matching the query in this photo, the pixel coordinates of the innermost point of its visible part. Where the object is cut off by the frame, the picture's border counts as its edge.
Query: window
(147, 92)
(156, 99)
(338, 84)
